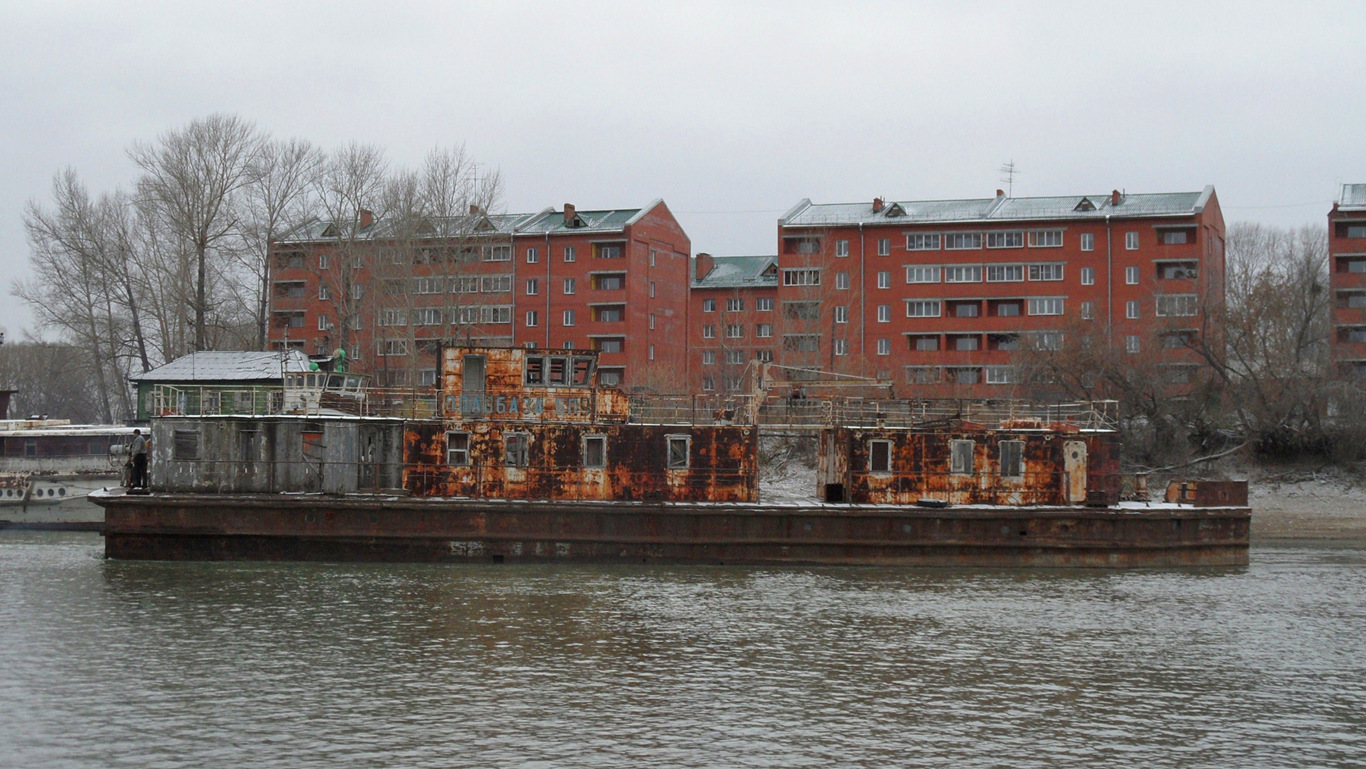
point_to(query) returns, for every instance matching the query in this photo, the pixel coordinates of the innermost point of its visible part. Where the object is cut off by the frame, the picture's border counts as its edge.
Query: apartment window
(1006, 309)
(1356, 231)
(924, 343)
(323, 293)
(763, 356)
(884, 313)
(763, 330)
(923, 242)
(965, 343)
(1131, 309)
(458, 449)
(569, 344)
(392, 347)
(532, 256)
(802, 310)
(612, 282)
(652, 289)
(884, 246)
(393, 317)
(884, 279)
(708, 305)
(841, 346)
(764, 304)
(1046, 271)
(708, 331)
(801, 277)
(1006, 342)
(496, 284)
(608, 251)
(1088, 310)
(1005, 273)
(708, 357)
(533, 287)
(1131, 343)
(1046, 306)
(652, 257)
(841, 248)
(801, 342)
(1189, 270)
(923, 308)
(879, 456)
(496, 314)
(842, 281)
(515, 453)
(1174, 237)
(1012, 456)
(1176, 305)
(594, 451)
(569, 285)
(652, 321)
(708, 383)
(1088, 276)
(465, 315)
(735, 331)
(884, 347)
(1131, 241)
(922, 274)
(922, 375)
(1012, 239)
(323, 323)
(608, 314)
(966, 309)
(427, 316)
(1131, 275)
(1088, 241)
(568, 317)
(962, 241)
(960, 457)
(466, 285)
(498, 253)
(735, 305)
(569, 254)
(676, 447)
(1045, 239)
(841, 314)
(963, 274)
(735, 357)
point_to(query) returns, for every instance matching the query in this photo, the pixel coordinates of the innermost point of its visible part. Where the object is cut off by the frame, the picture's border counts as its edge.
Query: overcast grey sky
(730, 112)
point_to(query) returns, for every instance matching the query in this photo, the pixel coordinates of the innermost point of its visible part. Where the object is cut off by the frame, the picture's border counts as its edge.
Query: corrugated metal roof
(540, 222)
(739, 272)
(1353, 196)
(1000, 209)
(224, 366)
(553, 221)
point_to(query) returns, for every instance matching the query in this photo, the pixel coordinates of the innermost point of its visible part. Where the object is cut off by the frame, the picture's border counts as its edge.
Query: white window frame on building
(879, 457)
(801, 276)
(568, 318)
(458, 448)
(678, 449)
(1046, 305)
(533, 318)
(1088, 241)
(1131, 309)
(1045, 238)
(1131, 241)
(841, 313)
(884, 313)
(924, 308)
(841, 248)
(735, 304)
(884, 279)
(923, 241)
(884, 347)
(884, 247)
(841, 346)
(1131, 276)
(1046, 271)
(923, 273)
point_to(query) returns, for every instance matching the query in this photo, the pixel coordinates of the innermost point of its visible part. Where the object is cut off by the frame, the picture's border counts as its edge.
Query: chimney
(569, 214)
(703, 266)
(1115, 197)
(877, 205)
(1000, 193)
(475, 210)
(367, 218)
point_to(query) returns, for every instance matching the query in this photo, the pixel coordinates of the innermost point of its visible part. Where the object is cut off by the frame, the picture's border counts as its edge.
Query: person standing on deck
(139, 452)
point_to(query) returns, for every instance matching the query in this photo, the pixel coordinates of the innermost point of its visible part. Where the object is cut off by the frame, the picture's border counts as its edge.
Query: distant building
(215, 381)
(734, 319)
(940, 295)
(1347, 277)
(389, 293)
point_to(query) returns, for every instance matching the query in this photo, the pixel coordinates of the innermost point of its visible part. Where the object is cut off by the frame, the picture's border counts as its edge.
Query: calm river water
(108, 663)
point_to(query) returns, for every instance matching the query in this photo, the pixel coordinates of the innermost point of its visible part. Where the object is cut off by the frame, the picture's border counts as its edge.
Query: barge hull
(275, 527)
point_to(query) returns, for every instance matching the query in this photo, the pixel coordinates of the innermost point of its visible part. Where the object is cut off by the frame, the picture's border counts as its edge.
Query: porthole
(51, 492)
(61, 492)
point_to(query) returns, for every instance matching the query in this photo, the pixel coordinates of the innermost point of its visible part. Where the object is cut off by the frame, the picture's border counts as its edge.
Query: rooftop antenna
(1008, 173)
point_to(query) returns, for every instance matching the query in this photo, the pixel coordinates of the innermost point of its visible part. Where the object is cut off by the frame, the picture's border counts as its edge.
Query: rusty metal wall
(722, 464)
(920, 466)
(505, 395)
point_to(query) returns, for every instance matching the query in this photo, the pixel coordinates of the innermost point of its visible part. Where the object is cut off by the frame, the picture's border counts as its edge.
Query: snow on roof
(1001, 209)
(226, 365)
(547, 221)
(1353, 197)
(738, 271)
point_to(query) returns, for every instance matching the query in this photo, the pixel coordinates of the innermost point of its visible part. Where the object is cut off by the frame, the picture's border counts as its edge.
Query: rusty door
(1074, 470)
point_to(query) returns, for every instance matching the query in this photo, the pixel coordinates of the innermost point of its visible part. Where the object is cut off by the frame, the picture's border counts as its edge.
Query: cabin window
(583, 371)
(185, 445)
(535, 370)
(515, 452)
(960, 457)
(559, 371)
(594, 451)
(678, 448)
(457, 449)
(879, 456)
(1012, 459)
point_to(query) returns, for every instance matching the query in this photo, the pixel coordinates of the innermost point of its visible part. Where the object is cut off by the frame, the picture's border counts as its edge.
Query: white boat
(48, 466)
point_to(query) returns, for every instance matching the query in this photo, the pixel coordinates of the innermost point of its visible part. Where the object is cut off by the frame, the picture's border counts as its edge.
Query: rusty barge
(520, 455)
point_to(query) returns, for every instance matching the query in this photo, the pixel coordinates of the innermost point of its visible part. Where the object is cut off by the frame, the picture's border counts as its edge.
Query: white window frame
(1131, 241)
(963, 273)
(884, 247)
(924, 308)
(1047, 271)
(1046, 305)
(923, 273)
(1045, 238)
(1005, 239)
(924, 241)
(1005, 273)
(841, 248)
(1131, 276)
(801, 276)
(1088, 241)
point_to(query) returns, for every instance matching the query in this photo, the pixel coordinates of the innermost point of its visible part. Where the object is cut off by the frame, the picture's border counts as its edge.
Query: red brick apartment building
(940, 296)
(1347, 276)
(733, 319)
(614, 280)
